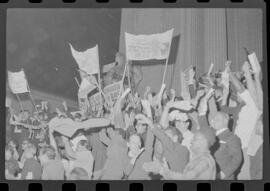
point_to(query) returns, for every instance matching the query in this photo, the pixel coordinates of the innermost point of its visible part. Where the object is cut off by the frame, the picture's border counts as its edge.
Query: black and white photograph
(134, 94)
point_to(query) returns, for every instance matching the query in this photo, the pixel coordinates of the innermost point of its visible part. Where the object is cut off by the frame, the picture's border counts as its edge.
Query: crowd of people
(215, 134)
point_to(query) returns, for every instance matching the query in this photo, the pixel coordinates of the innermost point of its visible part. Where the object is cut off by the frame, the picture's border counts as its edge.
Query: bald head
(220, 120)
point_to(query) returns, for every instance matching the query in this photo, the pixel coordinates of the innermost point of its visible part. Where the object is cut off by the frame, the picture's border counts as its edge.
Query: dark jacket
(228, 154)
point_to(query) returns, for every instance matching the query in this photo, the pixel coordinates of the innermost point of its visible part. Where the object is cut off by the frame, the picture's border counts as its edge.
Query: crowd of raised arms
(216, 134)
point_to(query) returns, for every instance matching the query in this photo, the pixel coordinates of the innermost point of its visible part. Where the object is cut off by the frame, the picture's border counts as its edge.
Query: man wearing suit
(228, 154)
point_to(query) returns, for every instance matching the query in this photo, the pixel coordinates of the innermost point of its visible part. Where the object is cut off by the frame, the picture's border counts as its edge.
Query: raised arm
(250, 82)
(104, 138)
(68, 148)
(236, 83)
(165, 140)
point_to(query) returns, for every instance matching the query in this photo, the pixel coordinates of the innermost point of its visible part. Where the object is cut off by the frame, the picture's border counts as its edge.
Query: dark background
(37, 41)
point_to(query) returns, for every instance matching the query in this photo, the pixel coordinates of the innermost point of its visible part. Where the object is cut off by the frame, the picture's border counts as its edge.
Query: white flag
(17, 82)
(146, 47)
(85, 88)
(87, 60)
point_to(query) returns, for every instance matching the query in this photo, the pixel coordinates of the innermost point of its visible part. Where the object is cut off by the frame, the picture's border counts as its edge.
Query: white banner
(87, 60)
(17, 82)
(146, 47)
(112, 91)
(85, 88)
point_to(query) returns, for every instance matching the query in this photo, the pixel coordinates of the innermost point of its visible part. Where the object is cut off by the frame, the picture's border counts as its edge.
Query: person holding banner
(116, 73)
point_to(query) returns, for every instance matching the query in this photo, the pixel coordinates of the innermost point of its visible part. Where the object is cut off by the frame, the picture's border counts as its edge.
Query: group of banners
(138, 47)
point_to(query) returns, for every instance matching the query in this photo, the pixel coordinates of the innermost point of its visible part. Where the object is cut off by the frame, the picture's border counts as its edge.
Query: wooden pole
(166, 64)
(128, 72)
(30, 93)
(31, 96)
(19, 100)
(77, 82)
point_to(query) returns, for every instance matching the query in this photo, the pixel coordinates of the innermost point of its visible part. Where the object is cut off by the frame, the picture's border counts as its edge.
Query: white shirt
(247, 119)
(187, 138)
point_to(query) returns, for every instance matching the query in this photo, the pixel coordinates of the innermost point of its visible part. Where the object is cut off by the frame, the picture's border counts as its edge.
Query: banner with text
(146, 47)
(112, 91)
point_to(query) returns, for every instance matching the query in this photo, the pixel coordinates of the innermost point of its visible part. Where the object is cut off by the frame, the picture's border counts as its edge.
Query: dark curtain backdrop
(37, 40)
(201, 36)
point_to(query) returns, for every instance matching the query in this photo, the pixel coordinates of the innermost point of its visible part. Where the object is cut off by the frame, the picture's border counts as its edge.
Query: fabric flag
(96, 100)
(146, 47)
(68, 127)
(87, 60)
(112, 91)
(85, 88)
(17, 82)
(184, 86)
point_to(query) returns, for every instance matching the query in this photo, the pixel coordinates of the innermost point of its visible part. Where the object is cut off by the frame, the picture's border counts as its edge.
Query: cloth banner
(112, 91)
(85, 88)
(68, 127)
(96, 100)
(184, 86)
(87, 60)
(146, 47)
(17, 82)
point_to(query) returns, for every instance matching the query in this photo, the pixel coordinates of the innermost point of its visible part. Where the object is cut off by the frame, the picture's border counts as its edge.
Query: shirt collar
(218, 132)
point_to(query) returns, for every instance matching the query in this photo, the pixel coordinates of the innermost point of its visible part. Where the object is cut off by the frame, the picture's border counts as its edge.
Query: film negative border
(134, 185)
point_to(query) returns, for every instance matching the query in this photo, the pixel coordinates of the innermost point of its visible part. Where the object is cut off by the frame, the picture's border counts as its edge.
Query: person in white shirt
(247, 120)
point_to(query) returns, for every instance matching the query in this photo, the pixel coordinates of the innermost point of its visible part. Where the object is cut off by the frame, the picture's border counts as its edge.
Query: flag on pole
(85, 88)
(17, 82)
(87, 60)
(146, 47)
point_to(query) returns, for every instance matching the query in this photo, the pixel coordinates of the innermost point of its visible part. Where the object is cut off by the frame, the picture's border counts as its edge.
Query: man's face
(217, 122)
(197, 142)
(134, 142)
(140, 128)
(171, 135)
(24, 145)
(28, 154)
(43, 159)
(182, 126)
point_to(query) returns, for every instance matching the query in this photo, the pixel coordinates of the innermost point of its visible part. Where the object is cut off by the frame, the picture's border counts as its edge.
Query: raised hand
(246, 67)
